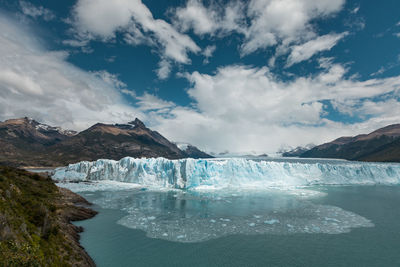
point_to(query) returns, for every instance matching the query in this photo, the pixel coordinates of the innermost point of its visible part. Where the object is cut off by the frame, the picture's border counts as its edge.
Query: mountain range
(381, 145)
(26, 142)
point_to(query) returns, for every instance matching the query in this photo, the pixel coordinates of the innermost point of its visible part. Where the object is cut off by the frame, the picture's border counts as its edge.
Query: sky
(253, 76)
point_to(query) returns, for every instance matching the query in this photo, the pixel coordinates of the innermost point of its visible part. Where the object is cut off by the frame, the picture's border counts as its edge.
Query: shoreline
(76, 210)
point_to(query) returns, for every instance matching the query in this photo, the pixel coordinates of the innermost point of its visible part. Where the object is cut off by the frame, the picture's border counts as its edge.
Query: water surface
(320, 226)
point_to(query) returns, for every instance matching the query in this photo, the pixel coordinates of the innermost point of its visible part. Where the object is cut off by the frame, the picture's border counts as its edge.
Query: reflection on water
(187, 216)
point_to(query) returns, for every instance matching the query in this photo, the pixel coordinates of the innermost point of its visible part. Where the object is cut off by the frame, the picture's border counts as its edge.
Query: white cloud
(355, 10)
(307, 50)
(261, 23)
(212, 19)
(355, 23)
(284, 24)
(30, 10)
(379, 71)
(149, 102)
(164, 69)
(75, 43)
(134, 36)
(284, 21)
(103, 19)
(110, 79)
(208, 52)
(196, 16)
(128, 92)
(243, 108)
(41, 84)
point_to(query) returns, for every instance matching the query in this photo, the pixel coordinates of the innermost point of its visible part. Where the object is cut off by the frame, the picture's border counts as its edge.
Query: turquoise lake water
(319, 226)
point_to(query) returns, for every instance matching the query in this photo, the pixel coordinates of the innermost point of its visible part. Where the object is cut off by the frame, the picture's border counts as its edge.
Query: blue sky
(243, 76)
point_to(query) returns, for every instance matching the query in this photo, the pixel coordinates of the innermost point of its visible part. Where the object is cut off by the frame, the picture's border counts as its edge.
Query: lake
(306, 218)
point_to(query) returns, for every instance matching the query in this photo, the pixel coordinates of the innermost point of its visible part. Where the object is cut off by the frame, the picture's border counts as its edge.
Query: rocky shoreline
(76, 209)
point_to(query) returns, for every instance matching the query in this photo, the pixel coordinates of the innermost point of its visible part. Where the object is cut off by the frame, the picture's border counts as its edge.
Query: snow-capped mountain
(191, 151)
(25, 141)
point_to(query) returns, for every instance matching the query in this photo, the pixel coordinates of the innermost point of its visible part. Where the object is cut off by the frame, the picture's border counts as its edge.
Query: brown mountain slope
(380, 145)
(386, 153)
(114, 142)
(25, 142)
(25, 138)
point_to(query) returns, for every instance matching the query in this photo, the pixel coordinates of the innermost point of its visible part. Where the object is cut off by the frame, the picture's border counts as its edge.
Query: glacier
(229, 173)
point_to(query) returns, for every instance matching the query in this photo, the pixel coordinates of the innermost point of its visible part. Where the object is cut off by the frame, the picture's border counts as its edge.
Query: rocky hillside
(380, 145)
(25, 142)
(22, 138)
(35, 228)
(115, 142)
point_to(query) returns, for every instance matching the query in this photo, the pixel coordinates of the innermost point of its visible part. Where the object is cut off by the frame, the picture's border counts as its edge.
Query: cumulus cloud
(285, 24)
(242, 108)
(41, 84)
(212, 19)
(102, 19)
(196, 16)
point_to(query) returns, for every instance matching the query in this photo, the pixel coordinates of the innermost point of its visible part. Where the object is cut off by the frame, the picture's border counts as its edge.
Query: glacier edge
(232, 172)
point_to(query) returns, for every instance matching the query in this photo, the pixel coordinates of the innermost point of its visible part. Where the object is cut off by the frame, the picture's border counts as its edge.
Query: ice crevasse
(232, 172)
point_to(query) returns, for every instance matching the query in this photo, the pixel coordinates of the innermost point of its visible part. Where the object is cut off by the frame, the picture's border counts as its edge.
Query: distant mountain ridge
(25, 141)
(296, 152)
(191, 151)
(380, 145)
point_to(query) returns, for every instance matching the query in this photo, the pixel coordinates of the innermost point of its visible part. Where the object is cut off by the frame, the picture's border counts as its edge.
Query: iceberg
(229, 173)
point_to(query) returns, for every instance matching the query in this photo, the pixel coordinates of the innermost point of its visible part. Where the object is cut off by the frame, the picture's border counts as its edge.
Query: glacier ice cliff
(226, 173)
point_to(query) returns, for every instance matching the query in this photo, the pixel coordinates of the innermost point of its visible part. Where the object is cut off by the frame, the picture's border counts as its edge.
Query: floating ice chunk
(331, 219)
(272, 221)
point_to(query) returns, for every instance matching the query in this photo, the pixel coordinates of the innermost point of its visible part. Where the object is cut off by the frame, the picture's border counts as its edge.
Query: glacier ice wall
(223, 173)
